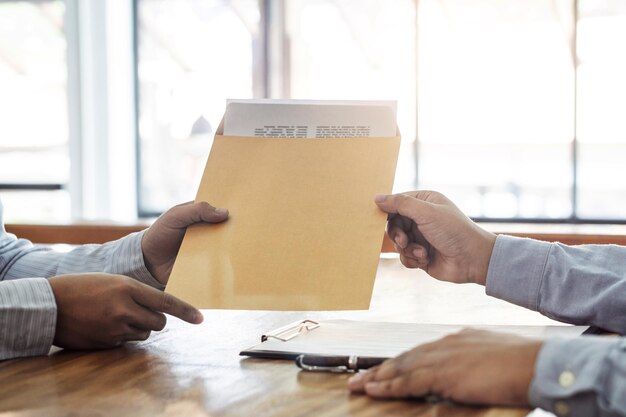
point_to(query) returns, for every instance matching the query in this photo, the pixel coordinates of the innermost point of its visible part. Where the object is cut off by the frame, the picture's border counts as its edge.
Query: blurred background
(516, 110)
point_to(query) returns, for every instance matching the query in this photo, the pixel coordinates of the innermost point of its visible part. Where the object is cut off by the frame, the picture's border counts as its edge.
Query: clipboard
(374, 339)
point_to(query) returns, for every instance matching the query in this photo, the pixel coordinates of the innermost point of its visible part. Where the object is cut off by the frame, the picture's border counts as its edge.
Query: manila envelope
(304, 232)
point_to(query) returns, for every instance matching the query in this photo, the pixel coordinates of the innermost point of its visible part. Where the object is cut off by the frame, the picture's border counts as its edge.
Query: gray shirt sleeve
(584, 284)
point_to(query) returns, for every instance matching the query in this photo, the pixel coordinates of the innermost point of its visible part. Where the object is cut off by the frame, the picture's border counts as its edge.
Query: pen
(351, 363)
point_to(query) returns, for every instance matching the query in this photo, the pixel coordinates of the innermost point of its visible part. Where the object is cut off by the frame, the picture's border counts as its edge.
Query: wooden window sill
(74, 234)
(81, 233)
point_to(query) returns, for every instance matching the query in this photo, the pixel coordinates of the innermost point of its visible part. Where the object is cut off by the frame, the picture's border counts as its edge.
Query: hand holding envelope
(304, 232)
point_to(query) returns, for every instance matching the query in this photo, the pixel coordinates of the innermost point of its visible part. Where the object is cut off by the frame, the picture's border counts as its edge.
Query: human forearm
(575, 284)
(123, 257)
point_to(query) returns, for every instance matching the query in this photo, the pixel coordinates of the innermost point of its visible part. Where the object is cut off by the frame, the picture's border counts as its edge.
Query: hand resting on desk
(473, 366)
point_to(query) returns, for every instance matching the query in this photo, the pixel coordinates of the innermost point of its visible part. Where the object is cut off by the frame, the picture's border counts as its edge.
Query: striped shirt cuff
(128, 260)
(28, 315)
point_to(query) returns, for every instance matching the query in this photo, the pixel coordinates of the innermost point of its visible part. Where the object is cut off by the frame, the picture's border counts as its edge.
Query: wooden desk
(190, 370)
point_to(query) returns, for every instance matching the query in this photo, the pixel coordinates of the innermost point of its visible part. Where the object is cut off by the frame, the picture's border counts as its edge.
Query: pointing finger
(147, 319)
(166, 303)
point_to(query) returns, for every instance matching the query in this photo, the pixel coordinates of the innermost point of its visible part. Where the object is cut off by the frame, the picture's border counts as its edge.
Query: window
(496, 106)
(34, 152)
(510, 108)
(192, 56)
(513, 109)
(520, 107)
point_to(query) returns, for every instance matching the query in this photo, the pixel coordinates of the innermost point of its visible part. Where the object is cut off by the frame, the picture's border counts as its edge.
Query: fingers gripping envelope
(299, 180)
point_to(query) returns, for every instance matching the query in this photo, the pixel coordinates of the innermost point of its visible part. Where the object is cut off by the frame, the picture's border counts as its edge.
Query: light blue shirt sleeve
(583, 284)
(27, 303)
(586, 284)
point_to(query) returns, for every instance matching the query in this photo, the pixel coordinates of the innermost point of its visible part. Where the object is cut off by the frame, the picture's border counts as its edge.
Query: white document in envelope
(310, 119)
